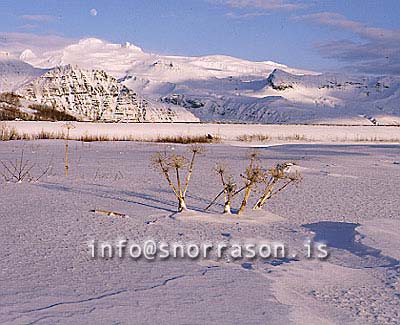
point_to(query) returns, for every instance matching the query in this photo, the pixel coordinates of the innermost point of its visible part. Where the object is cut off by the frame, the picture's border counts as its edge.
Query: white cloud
(268, 4)
(38, 18)
(27, 27)
(378, 51)
(247, 15)
(339, 21)
(15, 43)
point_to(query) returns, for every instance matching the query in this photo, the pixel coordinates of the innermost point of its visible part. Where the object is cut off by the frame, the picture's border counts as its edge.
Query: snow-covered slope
(224, 88)
(122, 60)
(287, 98)
(368, 95)
(14, 72)
(94, 95)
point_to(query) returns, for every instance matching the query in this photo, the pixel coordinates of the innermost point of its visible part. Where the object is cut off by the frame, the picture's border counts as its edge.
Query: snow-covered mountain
(121, 60)
(14, 73)
(283, 97)
(222, 88)
(96, 96)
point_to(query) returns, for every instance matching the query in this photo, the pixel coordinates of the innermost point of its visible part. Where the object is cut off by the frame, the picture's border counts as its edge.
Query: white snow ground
(48, 277)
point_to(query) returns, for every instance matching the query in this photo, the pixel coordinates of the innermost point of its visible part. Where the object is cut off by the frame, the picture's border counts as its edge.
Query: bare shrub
(229, 187)
(21, 169)
(7, 133)
(10, 110)
(50, 113)
(276, 180)
(294, 137)
(371, 139)
(173, 163)
(67, 126)
(188, 139)
(42, 135)
(161, 139)
(13, 113)
(107, 176)
(273, 180)
(94, 138)
(253, 137)
(9, 107)
(252, 175)
(10, 98)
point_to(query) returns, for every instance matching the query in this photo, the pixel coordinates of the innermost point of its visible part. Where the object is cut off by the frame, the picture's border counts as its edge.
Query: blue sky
(363, 35)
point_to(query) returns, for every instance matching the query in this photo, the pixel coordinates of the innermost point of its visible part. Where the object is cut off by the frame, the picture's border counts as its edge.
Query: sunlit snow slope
(14, 73)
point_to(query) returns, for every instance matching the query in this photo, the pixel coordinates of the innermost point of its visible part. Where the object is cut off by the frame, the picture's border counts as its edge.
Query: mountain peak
(27, 55)
(276, 64)
(99, 44)
(131, 46)
(90, 41)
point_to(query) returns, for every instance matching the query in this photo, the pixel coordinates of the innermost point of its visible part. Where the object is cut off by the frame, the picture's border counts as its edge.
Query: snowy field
(349, 197)
(227, 132)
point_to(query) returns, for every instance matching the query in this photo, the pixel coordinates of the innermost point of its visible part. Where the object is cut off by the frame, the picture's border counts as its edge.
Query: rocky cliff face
(96, 96)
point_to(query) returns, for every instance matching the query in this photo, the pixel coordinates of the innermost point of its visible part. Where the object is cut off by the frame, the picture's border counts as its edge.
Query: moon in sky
(93, 12)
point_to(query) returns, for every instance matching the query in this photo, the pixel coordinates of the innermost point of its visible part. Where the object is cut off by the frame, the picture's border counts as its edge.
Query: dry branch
(276, 180)
(166, 163)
